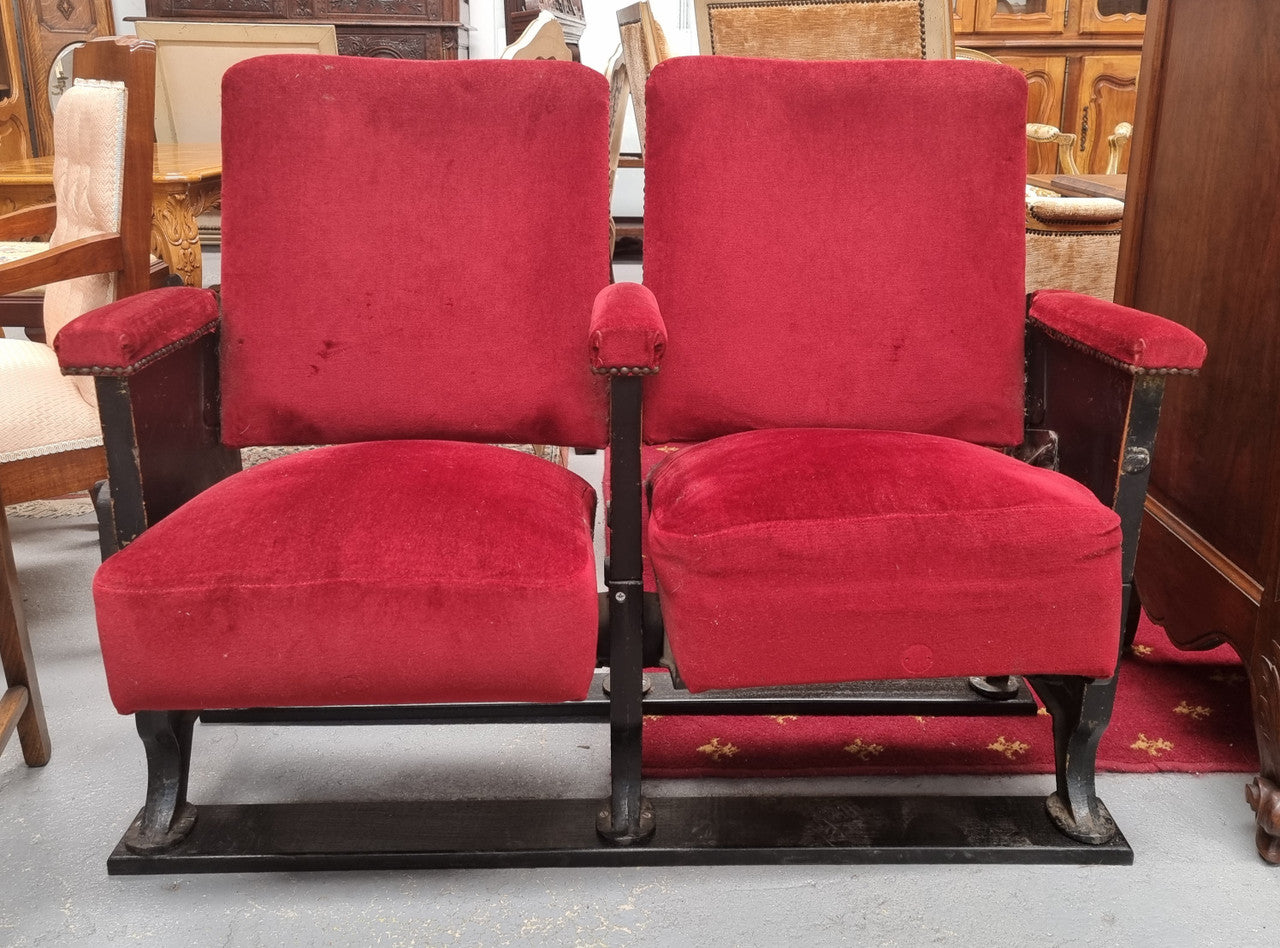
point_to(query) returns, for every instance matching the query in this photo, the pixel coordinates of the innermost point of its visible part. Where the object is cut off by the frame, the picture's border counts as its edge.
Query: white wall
(125, 8)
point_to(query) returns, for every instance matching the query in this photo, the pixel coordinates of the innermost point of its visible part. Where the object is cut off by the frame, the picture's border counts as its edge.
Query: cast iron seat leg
(167, 817)
(996, 687)
(1081, 708)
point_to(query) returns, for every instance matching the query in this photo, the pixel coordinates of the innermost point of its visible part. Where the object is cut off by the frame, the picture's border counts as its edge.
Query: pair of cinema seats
(859, 419)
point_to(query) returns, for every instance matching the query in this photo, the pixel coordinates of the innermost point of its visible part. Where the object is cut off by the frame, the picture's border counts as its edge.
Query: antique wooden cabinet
(15, 123)
(33, 33)
(393, 29)
(1080, 58)
(1201, 245)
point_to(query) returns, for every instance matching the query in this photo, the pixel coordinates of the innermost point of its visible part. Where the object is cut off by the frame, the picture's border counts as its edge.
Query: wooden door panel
(1046, 76)
(1105, 95)
(48, 27)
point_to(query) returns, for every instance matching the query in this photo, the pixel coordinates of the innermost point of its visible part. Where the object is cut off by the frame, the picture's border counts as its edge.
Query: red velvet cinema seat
(862, 391)
(411, 251)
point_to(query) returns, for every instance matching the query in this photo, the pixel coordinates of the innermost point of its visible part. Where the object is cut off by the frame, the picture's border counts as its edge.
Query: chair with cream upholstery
(1073, 244)
(100, 222)
(1117, 142)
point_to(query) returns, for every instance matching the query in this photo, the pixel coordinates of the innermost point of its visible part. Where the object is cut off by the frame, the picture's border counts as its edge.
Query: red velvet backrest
(411, 249)
(836, 244)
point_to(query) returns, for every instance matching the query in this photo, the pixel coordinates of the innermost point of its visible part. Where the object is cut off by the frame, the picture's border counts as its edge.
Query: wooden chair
(1117, 142)
(644, 45)
(1073, 244)
(20, 705)
(50, 438)
(543, 38)
(1037, 132)
(825, 29)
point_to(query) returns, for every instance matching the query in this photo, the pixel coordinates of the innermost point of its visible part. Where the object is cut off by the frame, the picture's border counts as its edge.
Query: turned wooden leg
(1081, 709)
(20, 705)
(167, 817)
(1264, 793)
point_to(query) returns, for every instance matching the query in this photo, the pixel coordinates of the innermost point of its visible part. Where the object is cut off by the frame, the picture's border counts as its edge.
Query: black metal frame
(1103, 417)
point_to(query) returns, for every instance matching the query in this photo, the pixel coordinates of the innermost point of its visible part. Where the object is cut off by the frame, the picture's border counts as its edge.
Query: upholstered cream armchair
(1073, 244)
(100, 221)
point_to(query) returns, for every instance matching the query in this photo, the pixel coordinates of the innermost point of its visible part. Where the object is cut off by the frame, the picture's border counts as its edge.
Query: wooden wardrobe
(1201, 245)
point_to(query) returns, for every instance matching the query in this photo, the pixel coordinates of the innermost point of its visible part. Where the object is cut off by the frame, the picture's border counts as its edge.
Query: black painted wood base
(933, 697)
(691, 831)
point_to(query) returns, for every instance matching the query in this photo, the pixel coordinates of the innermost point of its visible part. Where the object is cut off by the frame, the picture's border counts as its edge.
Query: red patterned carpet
(1175, 711)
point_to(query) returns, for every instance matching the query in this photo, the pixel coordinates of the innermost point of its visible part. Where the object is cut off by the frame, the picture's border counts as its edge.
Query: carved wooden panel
(435, 42)
(520, 13)
(233, 9)
(388, 29)
(1021, 16)
(15, 135)
(1107, 93)
(962, 15)
(1113, 16)
(1046, 76)
(48, 27)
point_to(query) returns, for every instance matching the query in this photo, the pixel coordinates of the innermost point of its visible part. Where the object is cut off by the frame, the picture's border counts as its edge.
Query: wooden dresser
(1080, 58)
(391, 29)
(1201, 245)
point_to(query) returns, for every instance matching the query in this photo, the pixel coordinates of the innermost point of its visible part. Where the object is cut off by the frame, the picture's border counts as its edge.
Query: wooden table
(187, 182)
(1082, 185)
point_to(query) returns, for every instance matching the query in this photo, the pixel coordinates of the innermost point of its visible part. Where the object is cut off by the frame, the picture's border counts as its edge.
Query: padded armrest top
(1139, 341)
(627, 332)
(122, 337)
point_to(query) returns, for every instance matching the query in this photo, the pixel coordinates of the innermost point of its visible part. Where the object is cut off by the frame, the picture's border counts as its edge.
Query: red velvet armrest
(627, 332)
(120, 338)
(1137, 341)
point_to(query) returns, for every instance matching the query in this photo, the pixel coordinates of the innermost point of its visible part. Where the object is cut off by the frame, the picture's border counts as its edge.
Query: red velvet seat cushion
(382, 573)
(792, 556)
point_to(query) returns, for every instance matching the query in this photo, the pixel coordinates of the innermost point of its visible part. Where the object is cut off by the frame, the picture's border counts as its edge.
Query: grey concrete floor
(1196, 880)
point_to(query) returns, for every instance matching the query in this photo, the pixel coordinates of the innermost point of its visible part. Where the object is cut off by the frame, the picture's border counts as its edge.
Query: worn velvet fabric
(819, 555)
(809, 269)
(412, 249)
(1128, 335)
(627, 331)
(382, 573)
(132, 331)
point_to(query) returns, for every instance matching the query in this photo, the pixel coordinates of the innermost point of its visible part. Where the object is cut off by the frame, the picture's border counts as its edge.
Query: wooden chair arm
(101, 253)
(1066, 142)
(37, 220)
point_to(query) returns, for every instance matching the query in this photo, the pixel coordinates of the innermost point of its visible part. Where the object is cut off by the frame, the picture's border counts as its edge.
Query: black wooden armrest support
(1105, 416)
(161, 428)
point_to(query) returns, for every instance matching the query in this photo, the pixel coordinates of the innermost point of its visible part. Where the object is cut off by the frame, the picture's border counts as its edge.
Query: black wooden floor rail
(722, 830)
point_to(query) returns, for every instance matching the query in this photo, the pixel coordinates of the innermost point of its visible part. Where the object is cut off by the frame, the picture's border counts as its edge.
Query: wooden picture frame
(191, 57)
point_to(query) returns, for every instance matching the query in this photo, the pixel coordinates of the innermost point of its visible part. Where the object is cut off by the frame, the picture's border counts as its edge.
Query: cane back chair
(99, 250)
